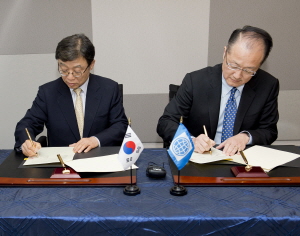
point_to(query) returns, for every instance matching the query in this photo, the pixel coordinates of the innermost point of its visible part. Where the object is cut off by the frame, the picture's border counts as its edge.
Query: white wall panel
(146, 45)
(31, 26)
(21, 75)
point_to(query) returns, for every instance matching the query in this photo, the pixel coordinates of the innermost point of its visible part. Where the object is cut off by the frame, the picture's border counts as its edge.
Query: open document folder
(48, 155)
(109, 163)
(203, 158)
(266, 158)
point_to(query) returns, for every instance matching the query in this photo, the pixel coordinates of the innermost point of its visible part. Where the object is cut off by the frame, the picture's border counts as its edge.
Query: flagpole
(129, 123)
(131, 175)
(131, 190)
(177, 189)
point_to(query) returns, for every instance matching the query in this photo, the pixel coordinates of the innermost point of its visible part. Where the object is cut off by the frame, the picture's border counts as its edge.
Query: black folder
(220, 174)
(12, 173)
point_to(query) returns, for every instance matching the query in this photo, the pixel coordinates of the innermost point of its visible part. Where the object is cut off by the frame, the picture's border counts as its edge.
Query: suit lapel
(93, 99)
(214, 99)
(65, 102)
(245, 102)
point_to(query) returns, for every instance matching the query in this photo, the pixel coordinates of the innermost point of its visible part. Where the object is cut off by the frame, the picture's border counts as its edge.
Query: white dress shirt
(224, 98)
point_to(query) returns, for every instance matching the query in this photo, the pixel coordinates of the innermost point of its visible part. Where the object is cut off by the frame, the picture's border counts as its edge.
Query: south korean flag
(131, 149)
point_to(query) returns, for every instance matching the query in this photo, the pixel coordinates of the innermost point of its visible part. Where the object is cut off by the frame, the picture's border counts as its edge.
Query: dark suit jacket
(198, 101)
(53, 107)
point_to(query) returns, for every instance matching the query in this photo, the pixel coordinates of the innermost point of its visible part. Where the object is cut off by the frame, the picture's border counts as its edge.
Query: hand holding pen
(29, 147)
(203, 143)
(205, 132)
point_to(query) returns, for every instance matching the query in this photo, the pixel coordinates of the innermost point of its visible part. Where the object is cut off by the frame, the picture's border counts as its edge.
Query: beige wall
(35, 27)
(146, 45)
(280, 18)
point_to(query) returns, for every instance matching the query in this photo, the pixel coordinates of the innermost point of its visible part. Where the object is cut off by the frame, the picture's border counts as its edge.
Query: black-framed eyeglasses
(76, 74)
(232, 66)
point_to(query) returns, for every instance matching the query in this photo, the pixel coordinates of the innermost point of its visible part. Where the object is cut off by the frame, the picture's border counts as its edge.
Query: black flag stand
(177, 189)
(132, 189)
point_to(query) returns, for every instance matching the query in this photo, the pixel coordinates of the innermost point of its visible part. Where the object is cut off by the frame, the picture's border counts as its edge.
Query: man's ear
(92, 65)
(224, 53)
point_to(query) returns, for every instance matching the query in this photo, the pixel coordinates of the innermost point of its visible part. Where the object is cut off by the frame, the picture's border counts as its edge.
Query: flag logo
(129, 147)
(181, 146)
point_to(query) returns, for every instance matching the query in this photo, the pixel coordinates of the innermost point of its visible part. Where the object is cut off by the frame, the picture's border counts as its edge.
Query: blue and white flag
(131, 149)
(182, 147)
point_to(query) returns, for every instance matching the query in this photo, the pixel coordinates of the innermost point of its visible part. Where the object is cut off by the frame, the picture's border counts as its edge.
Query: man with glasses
(235, 100)
(79, 109)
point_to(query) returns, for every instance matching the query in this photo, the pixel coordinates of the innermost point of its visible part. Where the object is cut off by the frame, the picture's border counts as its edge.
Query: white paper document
(49, 155)
(216, 155)
(109, 163)
(266, 158)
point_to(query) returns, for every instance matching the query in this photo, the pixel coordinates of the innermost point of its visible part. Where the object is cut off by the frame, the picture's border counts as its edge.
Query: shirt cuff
(18, 149)
(97, 140)
(249, 135)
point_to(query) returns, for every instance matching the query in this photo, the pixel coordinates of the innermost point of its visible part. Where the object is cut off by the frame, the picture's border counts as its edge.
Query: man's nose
(70, 75)
(238, 74)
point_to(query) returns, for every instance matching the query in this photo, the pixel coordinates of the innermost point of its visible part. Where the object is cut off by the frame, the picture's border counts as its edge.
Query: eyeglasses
(76, 74)
(232, 66)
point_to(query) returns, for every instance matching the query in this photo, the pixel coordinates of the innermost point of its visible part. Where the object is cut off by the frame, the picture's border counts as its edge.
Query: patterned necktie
(229, 117)
(79, 111)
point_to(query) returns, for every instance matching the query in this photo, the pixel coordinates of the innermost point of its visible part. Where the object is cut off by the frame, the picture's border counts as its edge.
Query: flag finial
(181, 119)
(129, 121)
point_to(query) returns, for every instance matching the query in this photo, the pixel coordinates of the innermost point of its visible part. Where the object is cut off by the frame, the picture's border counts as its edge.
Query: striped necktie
(229, 117)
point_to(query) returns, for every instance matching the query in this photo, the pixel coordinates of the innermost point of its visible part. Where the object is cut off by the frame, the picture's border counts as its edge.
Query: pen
(28, 134)
(65, 171)
(248, 167)
(244, 157)
(207, 136)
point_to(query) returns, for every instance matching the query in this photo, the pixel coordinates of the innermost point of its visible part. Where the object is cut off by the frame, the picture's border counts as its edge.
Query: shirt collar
(83, 87)
(226, 88)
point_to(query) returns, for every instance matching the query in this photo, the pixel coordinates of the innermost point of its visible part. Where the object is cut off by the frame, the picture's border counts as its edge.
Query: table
(107, 211)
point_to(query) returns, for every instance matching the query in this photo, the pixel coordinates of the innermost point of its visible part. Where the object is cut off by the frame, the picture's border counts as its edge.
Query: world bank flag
(181, 147)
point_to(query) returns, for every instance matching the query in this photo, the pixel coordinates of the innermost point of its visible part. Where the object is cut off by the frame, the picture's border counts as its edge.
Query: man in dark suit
(79, 109)
(203, 97)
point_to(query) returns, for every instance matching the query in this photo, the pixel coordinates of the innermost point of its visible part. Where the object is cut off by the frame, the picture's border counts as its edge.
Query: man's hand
(203, 143)
(30, 150)
(234, 144)
(85, 144)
